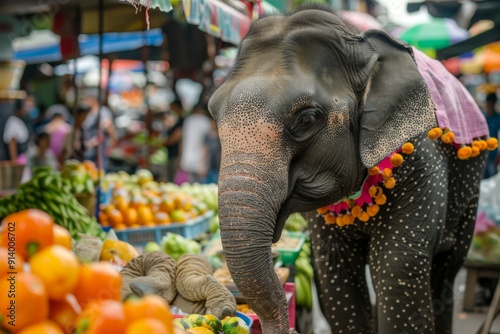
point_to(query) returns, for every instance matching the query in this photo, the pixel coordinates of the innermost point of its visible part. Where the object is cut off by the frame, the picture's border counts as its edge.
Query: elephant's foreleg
(401, 278)
(462, 203)
(339, 262)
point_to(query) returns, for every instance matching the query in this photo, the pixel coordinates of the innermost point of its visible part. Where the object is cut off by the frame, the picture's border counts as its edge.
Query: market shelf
(142, 235)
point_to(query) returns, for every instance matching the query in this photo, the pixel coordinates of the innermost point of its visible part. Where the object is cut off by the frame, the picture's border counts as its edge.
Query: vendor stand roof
(466, 14)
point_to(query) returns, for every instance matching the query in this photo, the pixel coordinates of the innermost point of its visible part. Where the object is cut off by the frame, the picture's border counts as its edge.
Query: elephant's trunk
(249, 203)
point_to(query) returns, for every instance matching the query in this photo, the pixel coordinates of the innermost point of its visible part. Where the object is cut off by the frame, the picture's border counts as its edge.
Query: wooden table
(476, 270)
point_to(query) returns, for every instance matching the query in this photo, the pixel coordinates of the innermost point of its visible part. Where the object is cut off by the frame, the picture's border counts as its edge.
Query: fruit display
(296, 223)
(176, 245)
(49, 192)
(485, 246)
(139, 201)
(303, 277)
(210, 324)
(82, 176)
(48, 290)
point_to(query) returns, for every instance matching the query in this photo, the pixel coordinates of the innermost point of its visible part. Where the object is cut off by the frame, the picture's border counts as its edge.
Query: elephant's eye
(308, 119)
(304, 124)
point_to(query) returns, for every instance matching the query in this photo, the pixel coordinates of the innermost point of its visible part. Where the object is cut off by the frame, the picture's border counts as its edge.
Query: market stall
(146, 231)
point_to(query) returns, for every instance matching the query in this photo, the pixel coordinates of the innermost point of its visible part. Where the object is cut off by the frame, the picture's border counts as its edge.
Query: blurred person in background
(15, 136)
(40, 154)
(75, 141)
(59, 130)
(493, 120)
(91, 135)
(193, 165)
(174, 138)
(31, 109)
(212, 153)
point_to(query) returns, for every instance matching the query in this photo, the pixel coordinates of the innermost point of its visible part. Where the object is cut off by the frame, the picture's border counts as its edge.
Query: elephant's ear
(397, 103)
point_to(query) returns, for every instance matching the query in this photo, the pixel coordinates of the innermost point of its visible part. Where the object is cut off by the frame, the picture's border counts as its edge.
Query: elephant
(313, 112)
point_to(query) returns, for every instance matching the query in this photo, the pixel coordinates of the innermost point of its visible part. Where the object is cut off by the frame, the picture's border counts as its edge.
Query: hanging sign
(217, 19)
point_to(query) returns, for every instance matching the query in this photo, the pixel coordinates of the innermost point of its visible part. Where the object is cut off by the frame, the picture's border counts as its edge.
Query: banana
(305, 290)
(300, 295)
(304, 266)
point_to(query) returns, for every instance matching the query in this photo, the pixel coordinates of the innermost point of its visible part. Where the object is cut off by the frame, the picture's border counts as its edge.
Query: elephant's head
(310, 105)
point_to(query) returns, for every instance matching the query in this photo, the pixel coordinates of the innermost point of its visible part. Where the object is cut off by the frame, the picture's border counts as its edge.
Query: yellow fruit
(200, 330)
(234, 325)
(58, 268)
(178, 323)
(213, 322)
(178, 216)
(116, 249)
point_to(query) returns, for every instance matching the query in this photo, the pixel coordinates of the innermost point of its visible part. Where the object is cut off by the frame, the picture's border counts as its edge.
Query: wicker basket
(10, 74)
(10, 175)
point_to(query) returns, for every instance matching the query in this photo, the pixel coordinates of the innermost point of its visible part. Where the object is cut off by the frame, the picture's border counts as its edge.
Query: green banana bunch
(49, 192)
(303, 277)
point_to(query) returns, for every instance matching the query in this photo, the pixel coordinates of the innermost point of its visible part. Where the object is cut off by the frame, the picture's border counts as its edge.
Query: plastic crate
(288, 256)
(142, 235)
(290, 297)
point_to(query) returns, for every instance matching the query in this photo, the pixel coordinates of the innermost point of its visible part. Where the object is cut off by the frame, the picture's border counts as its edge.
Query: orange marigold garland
(464, 152)
(366, 202)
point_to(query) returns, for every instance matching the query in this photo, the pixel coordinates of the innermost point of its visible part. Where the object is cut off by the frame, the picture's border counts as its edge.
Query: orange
(64, 312)
(89, 166)
(193, 213)
(162, 218)
(167, 205)
(62, 237)
(26, 303)
(144, 215)
(57, 267)
(150, 306)
(10, 262)
(130, 216)
(97, 281)
(121, 204)
(120, 226)
(115, 217)
(44, 327)
(107, 209)
(102, 317)
(147, 326)
(28, 231)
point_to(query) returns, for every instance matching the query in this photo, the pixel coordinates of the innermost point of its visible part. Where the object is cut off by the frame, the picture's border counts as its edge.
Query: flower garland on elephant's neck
(366, 202)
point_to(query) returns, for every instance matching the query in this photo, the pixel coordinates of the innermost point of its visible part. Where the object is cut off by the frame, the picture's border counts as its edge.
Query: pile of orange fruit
(149, 207)
(47, 290)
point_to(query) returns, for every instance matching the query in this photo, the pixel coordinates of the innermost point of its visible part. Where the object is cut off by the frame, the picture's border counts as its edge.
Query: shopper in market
(196, 127)
(95, 134)
(493, 120)
(174, 138)
(212, 153)
(76, 140)
(59, 130)
(40, 155)
(15, 136)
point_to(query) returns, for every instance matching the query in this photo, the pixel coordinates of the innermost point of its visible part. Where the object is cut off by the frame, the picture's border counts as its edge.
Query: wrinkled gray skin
(309, 107)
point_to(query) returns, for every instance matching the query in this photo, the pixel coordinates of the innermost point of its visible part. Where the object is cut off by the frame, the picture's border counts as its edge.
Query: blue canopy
(89, 45)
